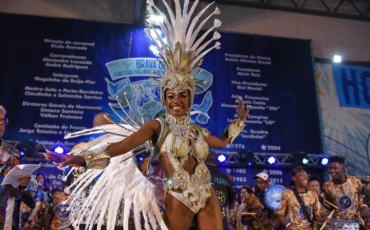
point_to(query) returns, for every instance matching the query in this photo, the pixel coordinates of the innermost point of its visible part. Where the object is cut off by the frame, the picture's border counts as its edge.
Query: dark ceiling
(348, 9)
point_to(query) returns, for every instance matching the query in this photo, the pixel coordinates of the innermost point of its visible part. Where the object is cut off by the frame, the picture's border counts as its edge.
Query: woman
(234, 216)
(177, 215)
(180, 146)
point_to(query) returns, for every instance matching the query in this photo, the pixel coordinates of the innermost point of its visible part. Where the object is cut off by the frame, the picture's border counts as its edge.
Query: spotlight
(140, 159)
(59, 150)
(246, 157)
(140, 155)
(301, 158)
(337, 59)
(26, 148)
(324, 161)
(271, 160)
(221, 158)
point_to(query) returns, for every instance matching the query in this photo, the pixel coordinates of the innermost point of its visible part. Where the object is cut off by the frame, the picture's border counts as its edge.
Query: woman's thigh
(177, 216)
(210, 217)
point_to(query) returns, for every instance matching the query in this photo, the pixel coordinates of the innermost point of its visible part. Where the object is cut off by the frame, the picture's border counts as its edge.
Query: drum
(272, 197)
(344, 225)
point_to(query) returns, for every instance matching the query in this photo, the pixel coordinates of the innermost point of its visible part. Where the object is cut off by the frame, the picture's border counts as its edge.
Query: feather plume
(217, 23)
(120, 183)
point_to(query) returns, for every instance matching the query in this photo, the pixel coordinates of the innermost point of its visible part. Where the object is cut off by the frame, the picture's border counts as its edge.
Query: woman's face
(40, 178)
(177, 104)
(243, 193)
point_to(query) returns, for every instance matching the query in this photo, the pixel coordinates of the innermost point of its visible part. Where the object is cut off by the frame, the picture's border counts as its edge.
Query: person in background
(365, 193)
(222, 185)
(344, 191)
(264, 219)
(234, 214)
(9, 158)
(301, 216)
(314, 185)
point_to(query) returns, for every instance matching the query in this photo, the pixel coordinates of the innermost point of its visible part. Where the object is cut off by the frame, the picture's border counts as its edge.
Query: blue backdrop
(56, 74)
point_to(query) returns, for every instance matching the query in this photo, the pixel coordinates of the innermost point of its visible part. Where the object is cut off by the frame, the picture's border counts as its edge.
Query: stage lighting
(26, 147)
(221, 158)
(337, 59)
(271, 160)
(140, 159)
(301, 158)
(59, 150)
(324, 161)
(246, 157)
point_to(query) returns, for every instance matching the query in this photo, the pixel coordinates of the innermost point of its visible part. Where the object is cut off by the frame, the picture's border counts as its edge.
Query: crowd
(340, 203)
(343, 200)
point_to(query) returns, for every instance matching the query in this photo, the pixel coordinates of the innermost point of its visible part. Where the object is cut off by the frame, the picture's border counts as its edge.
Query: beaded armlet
(234, 129)
(96, 160)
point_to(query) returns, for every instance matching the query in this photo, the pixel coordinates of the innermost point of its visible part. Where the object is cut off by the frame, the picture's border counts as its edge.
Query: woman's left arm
(232, 131)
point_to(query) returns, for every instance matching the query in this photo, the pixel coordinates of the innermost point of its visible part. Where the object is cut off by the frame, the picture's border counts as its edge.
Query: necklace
(180, 126)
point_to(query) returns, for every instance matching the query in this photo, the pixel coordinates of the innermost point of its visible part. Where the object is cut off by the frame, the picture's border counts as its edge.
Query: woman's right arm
(144, 134)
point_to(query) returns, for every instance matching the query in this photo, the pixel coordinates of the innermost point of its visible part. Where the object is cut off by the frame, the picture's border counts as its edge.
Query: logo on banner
(353, 86)
(134, 82)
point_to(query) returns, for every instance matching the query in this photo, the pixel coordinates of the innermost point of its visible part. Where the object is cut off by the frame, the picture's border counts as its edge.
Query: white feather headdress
(184, 51)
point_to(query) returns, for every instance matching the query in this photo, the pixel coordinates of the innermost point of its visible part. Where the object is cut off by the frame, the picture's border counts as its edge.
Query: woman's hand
(241, 112)
(61, 160)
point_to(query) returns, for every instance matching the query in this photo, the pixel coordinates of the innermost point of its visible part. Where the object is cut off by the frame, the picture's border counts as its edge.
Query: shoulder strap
(303, 207)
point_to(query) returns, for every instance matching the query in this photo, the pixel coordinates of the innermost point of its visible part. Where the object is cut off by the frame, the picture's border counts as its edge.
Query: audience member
(264, 218)
(9, 157)
(344, 192)
(301, 204)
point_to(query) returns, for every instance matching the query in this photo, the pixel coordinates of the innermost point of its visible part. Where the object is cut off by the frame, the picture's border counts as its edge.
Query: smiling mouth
(176, 107)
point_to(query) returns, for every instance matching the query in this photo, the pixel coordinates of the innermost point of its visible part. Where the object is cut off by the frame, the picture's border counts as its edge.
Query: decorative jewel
(180, 126)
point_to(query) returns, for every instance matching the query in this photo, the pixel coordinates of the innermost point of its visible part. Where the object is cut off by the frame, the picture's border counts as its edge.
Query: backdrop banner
(345, 112)
(56, 74)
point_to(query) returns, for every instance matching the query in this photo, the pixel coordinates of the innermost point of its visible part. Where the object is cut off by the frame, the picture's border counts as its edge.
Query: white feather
(192, 26)
(216, 36)
(200, 26)
(195, 46)
(216, 46)
(119, 182)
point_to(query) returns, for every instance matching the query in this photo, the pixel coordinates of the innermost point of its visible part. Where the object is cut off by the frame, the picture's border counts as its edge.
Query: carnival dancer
(343, 193)
(180, 145)
(301, 205)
